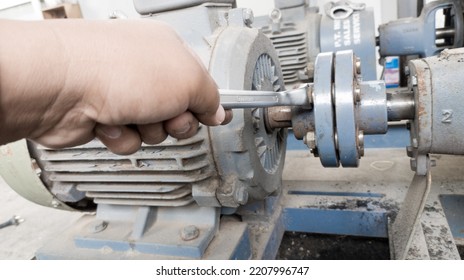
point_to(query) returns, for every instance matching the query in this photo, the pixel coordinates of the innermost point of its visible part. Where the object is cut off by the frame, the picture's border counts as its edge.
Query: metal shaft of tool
(234, 99)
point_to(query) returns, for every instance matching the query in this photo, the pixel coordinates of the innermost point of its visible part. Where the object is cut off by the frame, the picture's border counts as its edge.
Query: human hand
(122, 81)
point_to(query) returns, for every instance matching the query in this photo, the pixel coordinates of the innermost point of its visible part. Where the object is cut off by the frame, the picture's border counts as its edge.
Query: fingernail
(220, 115)
(112, 132)
(184, 129)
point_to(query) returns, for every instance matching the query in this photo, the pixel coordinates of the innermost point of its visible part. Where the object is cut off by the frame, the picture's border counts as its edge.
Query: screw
(433, 163)
(189, 233)
(241, 196)
(97, 226)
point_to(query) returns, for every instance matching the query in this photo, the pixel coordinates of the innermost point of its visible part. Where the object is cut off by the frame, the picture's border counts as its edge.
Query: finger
(152, 133)
(183, 126)
(204, 98)
(228, 118)
(120, 140)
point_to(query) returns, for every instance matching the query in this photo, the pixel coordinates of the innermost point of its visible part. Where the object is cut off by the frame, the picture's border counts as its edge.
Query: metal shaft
(400, 106)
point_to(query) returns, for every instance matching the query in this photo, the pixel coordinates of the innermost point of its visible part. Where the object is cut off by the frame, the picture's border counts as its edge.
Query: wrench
(235, 99)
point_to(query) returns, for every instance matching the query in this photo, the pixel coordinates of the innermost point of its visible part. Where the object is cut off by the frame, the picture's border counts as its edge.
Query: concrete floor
(40, 225)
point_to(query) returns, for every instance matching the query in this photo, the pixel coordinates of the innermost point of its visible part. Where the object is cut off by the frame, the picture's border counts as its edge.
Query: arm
(63, 82)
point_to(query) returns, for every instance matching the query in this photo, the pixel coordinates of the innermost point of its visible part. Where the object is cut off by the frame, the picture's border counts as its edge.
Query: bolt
(310, 141)
(361, 143)
(275, 15)
(189, 233)
(358, 65)
(256, 119)
(415, 144)
(357, 94)
(414, 80)
(97, 226)
(248, 17)
(241, 196)
(406, 70)
(409, 151)
(55, 204)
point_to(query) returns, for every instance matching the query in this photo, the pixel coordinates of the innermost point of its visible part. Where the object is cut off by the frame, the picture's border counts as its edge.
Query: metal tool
(14, 221)
(235, 99)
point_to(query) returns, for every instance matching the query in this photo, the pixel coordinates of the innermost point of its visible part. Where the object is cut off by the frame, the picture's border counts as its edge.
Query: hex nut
(248, 17)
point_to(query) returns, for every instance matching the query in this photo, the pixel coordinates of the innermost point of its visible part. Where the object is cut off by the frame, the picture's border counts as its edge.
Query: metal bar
(442, 33)
(402, 229)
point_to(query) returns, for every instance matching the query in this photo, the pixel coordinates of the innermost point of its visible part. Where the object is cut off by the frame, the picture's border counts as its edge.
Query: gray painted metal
(324, 117)
(253, 161)
(177, 166)
(344, 99)
(372, 110)
(402, 230)
(438, 126)
(357, 33)
(416, 36)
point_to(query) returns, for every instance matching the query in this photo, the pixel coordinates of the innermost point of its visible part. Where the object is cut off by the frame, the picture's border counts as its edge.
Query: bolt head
(241, 196)
(409, 151)
(97, 226)
(189, 233)
(248, 17)
(415, 143)
(358, 65)
(357, 94)
(55, 204)
(275, 15)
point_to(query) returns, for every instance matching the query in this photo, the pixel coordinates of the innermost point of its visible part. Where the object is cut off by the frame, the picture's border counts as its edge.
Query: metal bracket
(401, 232)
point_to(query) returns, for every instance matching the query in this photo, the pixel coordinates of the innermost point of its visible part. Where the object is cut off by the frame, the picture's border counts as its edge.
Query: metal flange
(345, 99)
(323, 111)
